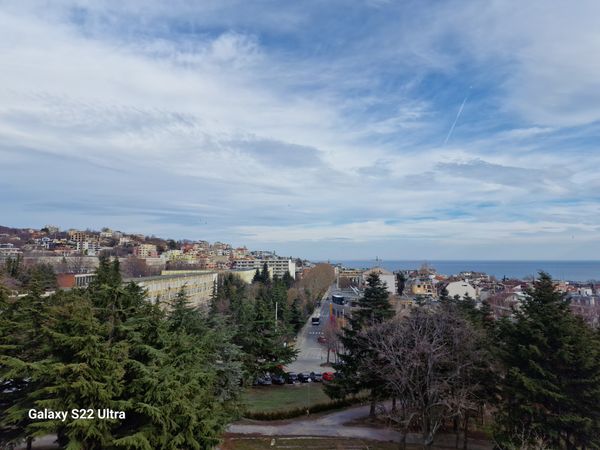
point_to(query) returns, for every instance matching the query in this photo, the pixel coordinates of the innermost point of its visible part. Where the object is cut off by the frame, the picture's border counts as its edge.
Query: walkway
(332, 425)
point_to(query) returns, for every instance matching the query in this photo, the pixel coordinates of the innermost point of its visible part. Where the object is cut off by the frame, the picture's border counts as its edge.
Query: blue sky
(322, 129)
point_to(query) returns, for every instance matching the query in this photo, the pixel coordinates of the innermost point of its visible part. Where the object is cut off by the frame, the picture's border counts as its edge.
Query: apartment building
(279, 266)
(198, 286)
(145, 251)
(384, 275)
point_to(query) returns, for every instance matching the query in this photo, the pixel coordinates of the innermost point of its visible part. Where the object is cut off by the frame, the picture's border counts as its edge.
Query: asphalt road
(312, 354)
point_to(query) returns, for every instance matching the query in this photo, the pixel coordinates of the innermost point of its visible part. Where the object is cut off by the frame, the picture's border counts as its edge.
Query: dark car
(328, 376)
(292, 378)
(263, 380)
(278, 379)
(304, 378)
(316, 377)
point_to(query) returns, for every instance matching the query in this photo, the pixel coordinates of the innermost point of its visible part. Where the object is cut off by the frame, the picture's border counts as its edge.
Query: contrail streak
(460, 110)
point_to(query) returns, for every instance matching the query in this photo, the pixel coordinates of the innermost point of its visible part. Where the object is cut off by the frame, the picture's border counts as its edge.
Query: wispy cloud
(286, 126)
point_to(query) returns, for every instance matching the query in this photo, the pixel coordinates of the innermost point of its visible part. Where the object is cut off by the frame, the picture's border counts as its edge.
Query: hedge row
(297, 412)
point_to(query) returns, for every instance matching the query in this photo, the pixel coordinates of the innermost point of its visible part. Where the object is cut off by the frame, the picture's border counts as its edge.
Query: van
(315, 320)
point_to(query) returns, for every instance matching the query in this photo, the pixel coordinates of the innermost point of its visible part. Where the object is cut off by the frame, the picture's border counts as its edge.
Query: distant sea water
(561, 270)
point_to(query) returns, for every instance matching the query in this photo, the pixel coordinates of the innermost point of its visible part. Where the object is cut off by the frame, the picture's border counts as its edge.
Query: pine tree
(296, 316)
(265, 340)
(551, 382)
(265, 278)
(401, 278)
(22, 344)
(257, 278)
(288, 279)
(82, 370)
(444, 296)
(176, 375)
(373, 308)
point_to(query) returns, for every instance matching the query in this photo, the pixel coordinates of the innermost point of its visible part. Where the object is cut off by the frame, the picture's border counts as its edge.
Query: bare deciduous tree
(430, 362)
(137, 267)
(332, 338)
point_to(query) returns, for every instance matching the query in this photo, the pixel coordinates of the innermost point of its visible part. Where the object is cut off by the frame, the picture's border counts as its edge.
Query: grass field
(281, 398)
(291, 443)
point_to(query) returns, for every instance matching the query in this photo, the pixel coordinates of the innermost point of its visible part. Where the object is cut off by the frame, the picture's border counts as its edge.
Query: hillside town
(161, 266)
(424, 285)
(164, 266)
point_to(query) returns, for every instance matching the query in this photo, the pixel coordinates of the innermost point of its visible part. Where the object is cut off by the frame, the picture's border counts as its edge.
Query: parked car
(278, 379)
(316, 377)
(292, 378)
(328, 376)
(304, 378)
(322, 340)
(263, 380)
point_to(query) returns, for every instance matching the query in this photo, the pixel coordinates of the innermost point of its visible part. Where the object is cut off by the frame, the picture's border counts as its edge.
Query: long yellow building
(198, 286)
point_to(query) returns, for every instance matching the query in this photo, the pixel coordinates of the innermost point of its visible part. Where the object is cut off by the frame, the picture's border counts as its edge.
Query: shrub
(297, 412)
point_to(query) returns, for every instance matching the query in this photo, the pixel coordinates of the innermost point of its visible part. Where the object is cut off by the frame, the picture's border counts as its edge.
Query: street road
(312, 353)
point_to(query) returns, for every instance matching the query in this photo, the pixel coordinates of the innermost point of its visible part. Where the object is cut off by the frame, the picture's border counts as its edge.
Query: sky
(339, 129)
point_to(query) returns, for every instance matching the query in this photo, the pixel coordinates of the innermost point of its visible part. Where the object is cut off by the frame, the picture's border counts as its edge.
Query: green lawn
(282, 398)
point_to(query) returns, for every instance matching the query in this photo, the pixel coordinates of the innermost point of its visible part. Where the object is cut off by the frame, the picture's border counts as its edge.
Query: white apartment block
(279, 266)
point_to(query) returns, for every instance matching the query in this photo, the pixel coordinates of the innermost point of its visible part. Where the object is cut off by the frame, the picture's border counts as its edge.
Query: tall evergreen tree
(82, 370)
(264, 274)
(296, 316)
(22, 343)
(550, 388)
(288, 279)
(176, 375)
(401, 279)
(257, 278)
(373, 308)
(444, 296)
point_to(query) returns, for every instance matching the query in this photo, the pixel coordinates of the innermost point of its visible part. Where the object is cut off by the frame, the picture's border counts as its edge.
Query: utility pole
(276, 304)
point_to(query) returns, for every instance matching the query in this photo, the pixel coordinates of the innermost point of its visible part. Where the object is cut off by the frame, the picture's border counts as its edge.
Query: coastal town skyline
(146, 255)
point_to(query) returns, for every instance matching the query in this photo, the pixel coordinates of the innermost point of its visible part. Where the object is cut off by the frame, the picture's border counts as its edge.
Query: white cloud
(271, 130)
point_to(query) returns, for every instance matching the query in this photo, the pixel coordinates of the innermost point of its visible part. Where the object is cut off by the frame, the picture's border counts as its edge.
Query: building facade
(461, 289)
(279, 266)
(385, 276)
(145, 251)
(198, 286)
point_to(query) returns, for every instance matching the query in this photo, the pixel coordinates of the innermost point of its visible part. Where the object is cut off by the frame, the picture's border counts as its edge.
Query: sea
(580, 271)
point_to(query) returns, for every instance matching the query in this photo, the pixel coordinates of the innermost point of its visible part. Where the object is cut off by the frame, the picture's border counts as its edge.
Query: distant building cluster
(161, 266)
(425, 285)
